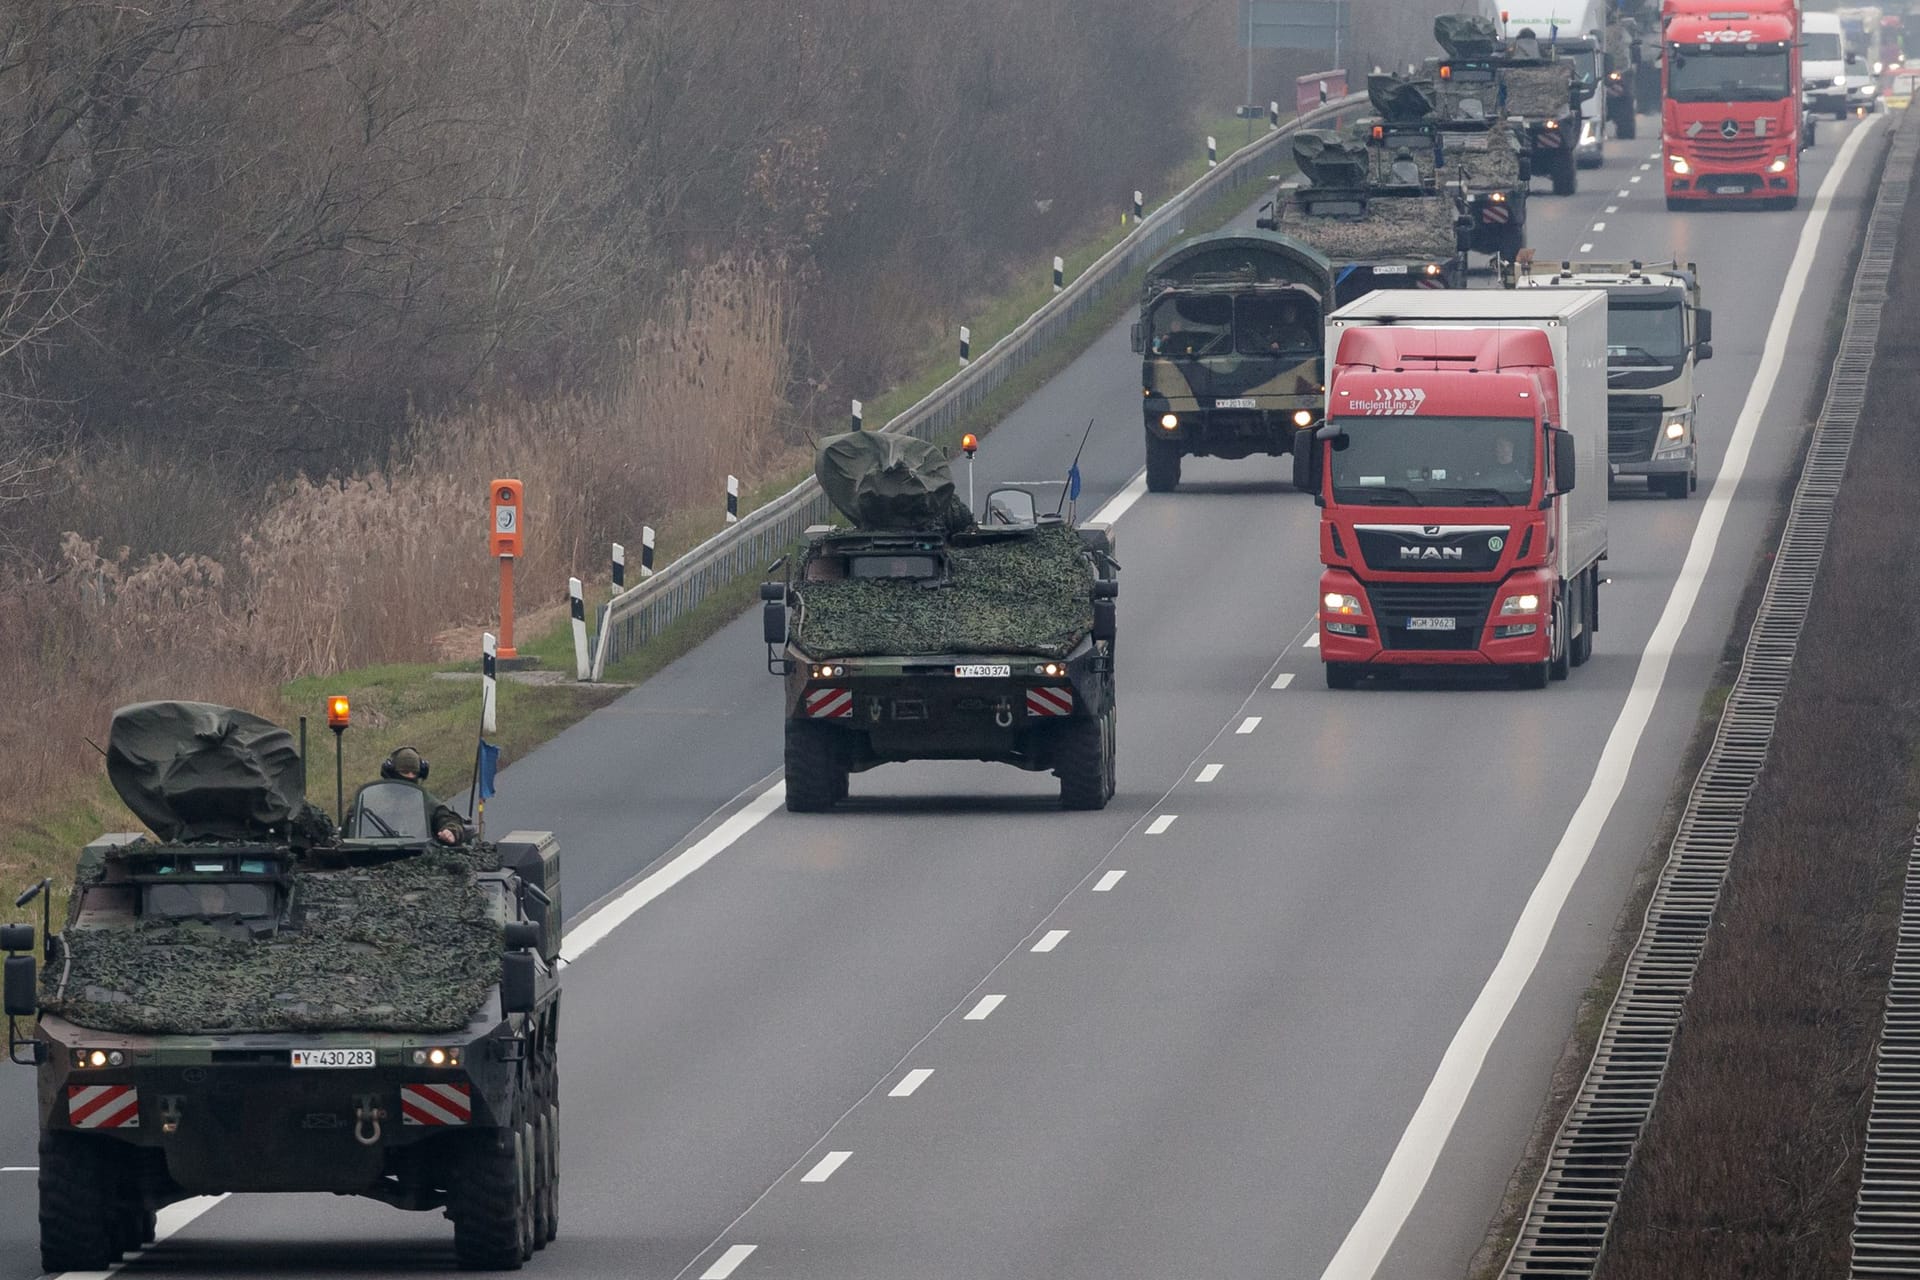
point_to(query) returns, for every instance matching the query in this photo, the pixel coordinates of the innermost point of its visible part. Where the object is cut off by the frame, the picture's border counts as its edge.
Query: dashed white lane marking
(1613, 208)
(1418, 1149)
(1248, 725)
(909, 1082)
(1282, 680)
(733, 1257)
(986, 1006)
(1158, 827)
(1634, 178)
(1050, 940)
(1109, 880)
(1624, 193)
(1207, 774)
(1311, 642)
(1599, 226)
(1587, 248)
(1648, 165)
(20, 1168)
(824, 1170)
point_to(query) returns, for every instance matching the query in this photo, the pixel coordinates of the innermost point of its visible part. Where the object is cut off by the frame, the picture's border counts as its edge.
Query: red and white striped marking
(830, 704)
(436, 1104)
(103, 1106)
(1050, 701)
(1494, 212)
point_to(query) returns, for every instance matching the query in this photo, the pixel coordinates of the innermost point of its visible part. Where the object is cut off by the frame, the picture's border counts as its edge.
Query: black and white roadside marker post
(619, 569)
(1139, 207)
(966, 346)
(1323, 93)
(1213, 151)
(1273, 115)
(1059, 274)
(733, 499)
(646, 552)
(489, 676)
(859, 417)
(577, 605)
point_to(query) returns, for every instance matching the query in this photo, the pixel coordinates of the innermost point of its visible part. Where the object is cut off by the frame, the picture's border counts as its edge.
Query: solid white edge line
(909, 1082)
(1414, 1157)
(1158, 827)
(1282, 680)
(725, 1264)
(824, 1170)
(1207, 774)
(986, 1006)
(20, 1168)
(1116, 506)
(1050, 940)
(1109, 880)
(1248, 725)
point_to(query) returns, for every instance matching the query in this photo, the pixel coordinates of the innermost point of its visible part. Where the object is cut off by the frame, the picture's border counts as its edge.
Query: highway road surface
(1287, 1008)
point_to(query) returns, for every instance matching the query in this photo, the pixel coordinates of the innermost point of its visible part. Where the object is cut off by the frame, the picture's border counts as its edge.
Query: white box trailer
(1575, 322)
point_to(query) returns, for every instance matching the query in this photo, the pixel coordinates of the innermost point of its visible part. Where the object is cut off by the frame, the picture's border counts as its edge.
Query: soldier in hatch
(405, 765)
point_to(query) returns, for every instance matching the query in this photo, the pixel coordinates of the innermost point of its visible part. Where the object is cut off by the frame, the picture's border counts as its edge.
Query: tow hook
(1003, 714)
(366, 1121)
(170, 1114)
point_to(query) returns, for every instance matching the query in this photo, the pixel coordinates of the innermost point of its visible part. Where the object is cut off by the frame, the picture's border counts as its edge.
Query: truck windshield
(1645, 334)
(1270, 326)
(1189, 326)
(1419, 461)
(1193, 324)
(1585, 64)
(1820, 46)
(1727, 73)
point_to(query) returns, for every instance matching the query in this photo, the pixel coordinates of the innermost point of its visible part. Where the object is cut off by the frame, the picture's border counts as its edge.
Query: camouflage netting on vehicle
(1466, 35)
(1329, 160)
(1486, 159)
(880, 480)
(1394, 227)
(407, 946)
(1031, 594)
(1539, 92)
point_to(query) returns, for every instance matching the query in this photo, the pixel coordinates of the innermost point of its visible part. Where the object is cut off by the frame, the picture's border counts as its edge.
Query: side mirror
(1306, 462)
(1563, 461)
(1106, 588)
(22, 997)
(1526, 168)
(16, 937)
(1139, 337)
(522, 935)
(773, 622)
(1703, 325)
(519, 982)
(1703, 351)
(1106, 620)
(1853, 59)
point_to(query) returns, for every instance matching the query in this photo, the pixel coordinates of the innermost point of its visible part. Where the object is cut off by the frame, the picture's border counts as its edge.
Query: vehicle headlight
(1169, 420)
(436, 1057)
(99, 1058)
(1839, 82)
(1303, 417)
(1433, 268)
(1877, 68)
(1528, 603)
(1553, 124)
(1050, 669)
(1779, 165)
(1676, 428)
(826, 671)
(1336, 602)
(1586, 131)
(1498, 197)
(1679, 164)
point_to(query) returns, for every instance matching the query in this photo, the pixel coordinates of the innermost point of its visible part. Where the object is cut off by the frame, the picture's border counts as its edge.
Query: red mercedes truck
(1733, 122)
(1452, 531)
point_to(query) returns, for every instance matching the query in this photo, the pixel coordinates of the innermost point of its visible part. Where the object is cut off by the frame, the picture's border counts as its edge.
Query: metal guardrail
(1567, 1222)
(629, 620)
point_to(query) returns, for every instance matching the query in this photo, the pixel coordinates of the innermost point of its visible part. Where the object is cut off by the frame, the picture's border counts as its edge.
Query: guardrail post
(646, 552)
(966, 346)
(489, 678)
(859, 417)
(1059, 274)
(577, 606)
(619, 568)
(733, 499)
(1213, 149)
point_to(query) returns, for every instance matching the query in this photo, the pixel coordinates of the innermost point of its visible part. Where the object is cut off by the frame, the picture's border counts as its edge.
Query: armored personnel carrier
(1402, 234)
(1483, 76)
(249, 999)
(1482, 158)
(920, 634)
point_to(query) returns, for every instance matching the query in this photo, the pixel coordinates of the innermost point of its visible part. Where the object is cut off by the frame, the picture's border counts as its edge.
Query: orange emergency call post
(504, 539)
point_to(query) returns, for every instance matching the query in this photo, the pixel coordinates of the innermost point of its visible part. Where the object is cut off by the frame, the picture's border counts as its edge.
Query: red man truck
(1733, 122)
(1451, 528)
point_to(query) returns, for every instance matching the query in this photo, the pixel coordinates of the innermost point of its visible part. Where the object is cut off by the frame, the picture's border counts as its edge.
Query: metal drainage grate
(1886, 1219)
(1572, 1210)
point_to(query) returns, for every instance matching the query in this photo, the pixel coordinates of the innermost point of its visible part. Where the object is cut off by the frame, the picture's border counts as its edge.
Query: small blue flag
(1073, 483)
(1503, 97)
(489, 762)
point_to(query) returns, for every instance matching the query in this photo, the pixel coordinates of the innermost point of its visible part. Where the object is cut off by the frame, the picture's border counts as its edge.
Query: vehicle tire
(1582, 644)
(1672, 486)
(489, 1197)
(1163, 466)
(1513, 238)
(1080, 761)
(1626, 126)
(1566, 176)
(1559, 664)
(1809, 134)
(816, 776)
(1673, 205)
(545, 1172)
(78, 1210)
(1341, 675)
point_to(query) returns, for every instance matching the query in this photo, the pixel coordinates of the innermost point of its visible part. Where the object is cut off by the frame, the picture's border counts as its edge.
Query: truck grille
(1631, 428)
(1467, 603)
(1743, 150)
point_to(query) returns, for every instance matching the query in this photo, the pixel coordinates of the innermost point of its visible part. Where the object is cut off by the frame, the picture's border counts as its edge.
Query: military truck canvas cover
(1239, 258)
(1328, 160)
(1026, 592)
(196, 771)
(1466, 35)
(1398, 98)
(880, 480)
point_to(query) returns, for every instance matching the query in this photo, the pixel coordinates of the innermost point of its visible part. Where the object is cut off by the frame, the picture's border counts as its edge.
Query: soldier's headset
(388, 771)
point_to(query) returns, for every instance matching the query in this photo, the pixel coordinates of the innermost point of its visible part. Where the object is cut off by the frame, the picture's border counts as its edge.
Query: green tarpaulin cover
(880, 480)
(194, 771)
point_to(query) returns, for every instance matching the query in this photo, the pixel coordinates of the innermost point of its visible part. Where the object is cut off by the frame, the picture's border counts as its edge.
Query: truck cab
(1732, 123)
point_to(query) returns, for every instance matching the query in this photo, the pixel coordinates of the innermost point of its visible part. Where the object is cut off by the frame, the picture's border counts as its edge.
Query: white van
(1831, 78)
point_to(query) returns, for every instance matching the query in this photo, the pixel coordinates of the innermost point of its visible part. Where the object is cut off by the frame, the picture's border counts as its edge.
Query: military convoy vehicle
(1230, 333)
(921, 634)
(1405, 234)
(250, 999)
(1483, 76)
(1484, 159)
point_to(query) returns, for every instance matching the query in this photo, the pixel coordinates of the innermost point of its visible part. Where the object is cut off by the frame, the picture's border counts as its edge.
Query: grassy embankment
(414, 703)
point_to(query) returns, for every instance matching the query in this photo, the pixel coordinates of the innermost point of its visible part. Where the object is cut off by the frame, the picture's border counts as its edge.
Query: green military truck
(920, 634)
(1407, 234)
(1484, 159)
(251, 1000)
(1482, 77)
(1230, 334)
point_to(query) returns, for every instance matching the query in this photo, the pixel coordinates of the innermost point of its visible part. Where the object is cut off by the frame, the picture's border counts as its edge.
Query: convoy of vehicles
(1536, 90)
(1575, 33)
(1657, 333)
(1229, 334)
(1481, 156)
(1461, 479)
(1733, 124)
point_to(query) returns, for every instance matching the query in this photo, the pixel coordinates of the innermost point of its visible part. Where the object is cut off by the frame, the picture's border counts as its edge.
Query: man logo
(1432, 554)
(1431, 530)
